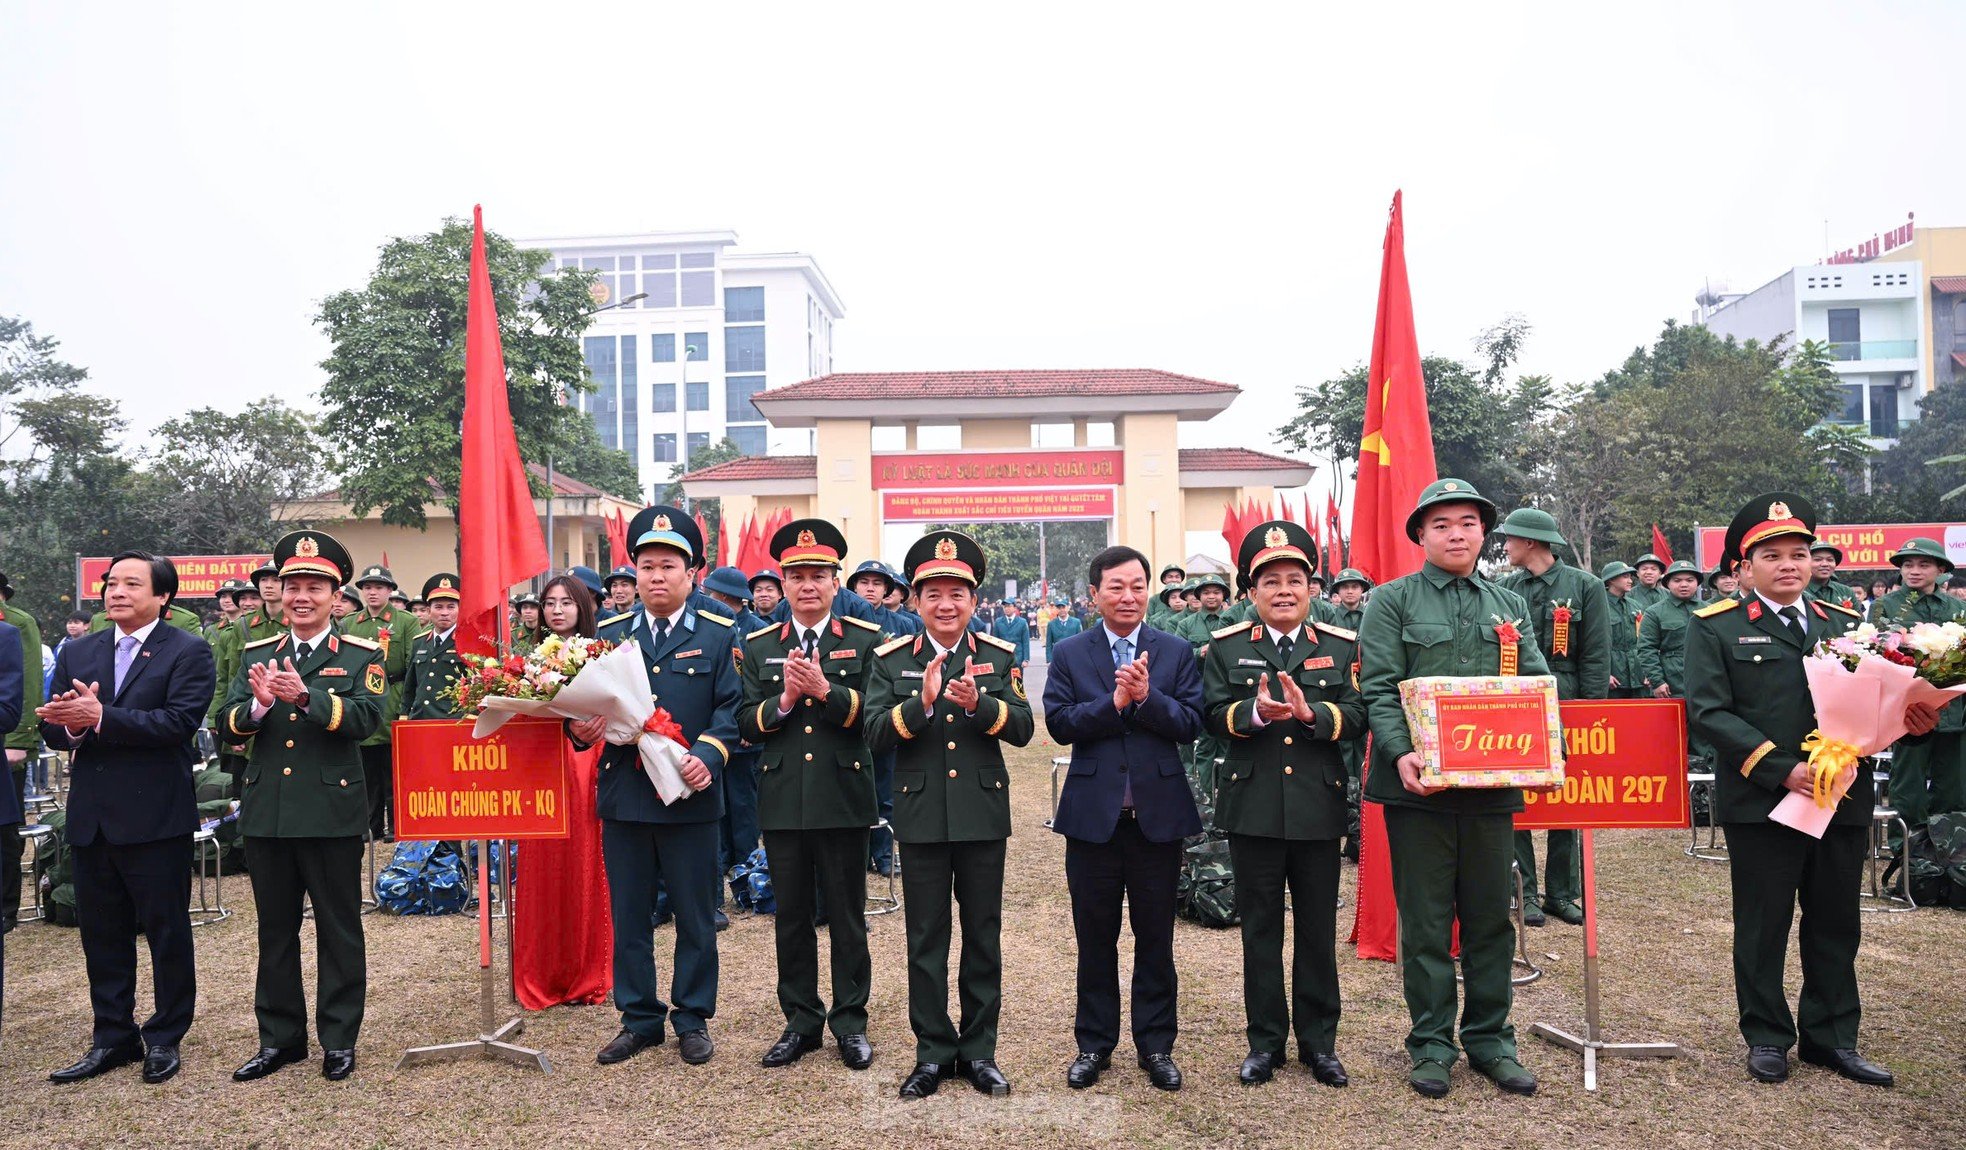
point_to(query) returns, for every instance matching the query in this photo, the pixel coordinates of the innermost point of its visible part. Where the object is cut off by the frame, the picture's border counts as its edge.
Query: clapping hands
(1130, 684)
(803, 678)
(78, 709)
(270, 683)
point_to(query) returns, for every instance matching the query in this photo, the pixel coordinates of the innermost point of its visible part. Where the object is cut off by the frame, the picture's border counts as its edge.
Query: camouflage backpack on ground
(217, 810)
(1205, 890)
(57, 862)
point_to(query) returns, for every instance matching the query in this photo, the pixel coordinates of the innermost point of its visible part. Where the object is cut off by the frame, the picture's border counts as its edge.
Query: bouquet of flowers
(1861, 682)
(579, 678)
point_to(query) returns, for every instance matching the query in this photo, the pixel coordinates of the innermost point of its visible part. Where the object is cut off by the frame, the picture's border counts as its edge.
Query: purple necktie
(126, 653)
(1122, 655)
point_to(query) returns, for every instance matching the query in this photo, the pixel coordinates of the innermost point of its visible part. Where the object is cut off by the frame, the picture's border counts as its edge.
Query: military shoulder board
(1720, 608)
(715, 618)
(1338, 631)
(615, 619)
(853, 622)
(893, 645)
(1233, 629)
(358, 641)
(994, 641)
(265, 641)
(767, 629)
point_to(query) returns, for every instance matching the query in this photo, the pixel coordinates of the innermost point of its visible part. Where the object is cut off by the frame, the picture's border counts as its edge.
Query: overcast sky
(987, 186)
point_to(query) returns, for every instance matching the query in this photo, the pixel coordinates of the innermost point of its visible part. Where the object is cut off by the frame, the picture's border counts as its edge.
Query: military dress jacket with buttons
(1286, 778)
(433, 668)
(1433, 623)
(304, 777)
(1903, 608)
(1830, 591)
(1748, 698)
(1624, 642)
(394, 633)
(1583, 670)
(692, 674)
(950, 782)
(814, 770)
(1662, 642)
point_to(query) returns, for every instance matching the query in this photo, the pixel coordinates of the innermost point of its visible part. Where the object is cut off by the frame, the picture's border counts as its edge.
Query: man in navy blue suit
(13, 693)
(135, 693)
(1126, 698)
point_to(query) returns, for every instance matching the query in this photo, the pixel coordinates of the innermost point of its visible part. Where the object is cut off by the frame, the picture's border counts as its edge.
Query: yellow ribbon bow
(1830, 761)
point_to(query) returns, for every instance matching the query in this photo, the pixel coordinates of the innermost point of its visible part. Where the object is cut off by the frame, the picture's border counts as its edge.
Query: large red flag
(1395, 464)
(1660, 547)
(1336, 540)
(499, 542)
(617, 527)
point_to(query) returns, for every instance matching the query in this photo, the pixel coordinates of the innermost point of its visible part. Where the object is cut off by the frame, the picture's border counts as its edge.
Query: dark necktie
(660, 629)
(301, 651)
(812, 645)
(1792, 615)
(1284, 644)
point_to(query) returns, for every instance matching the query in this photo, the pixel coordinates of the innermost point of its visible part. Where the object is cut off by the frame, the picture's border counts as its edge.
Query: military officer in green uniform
(1626, 679)
(433, 663)
(1348, 593)
(393, 630)
(1928, 774)
(945, 701)
(311, 697)
(1824, 558)
(1651, 581)
(1451, 848)
(1282, 693)
(1662, 634)
(1750, 700)
(1572, 616)
(265, 622)
(805, 691)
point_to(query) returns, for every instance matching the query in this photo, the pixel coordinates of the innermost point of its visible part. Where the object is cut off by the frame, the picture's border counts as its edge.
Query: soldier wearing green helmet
(1824, 558)
(1618, 579)
(1197, 627)
(1928, 773)
(1651, 580)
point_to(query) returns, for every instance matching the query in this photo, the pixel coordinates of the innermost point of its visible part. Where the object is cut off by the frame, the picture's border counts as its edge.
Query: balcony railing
(1877, 427)
(1874, 349)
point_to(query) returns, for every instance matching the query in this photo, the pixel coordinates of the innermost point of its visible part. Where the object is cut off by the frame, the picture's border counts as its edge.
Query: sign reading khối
(984, 506)
(198, 576)
(510, 785)
(1624, 767)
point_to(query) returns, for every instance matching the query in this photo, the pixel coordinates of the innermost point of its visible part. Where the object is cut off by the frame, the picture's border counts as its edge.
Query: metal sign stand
(1591, 1045)
(492, 1040)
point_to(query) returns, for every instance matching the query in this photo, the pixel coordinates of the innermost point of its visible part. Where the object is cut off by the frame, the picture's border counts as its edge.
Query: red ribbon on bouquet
(661, 723)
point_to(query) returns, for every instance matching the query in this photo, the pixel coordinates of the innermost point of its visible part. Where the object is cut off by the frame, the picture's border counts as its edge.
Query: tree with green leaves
(223, 481)
(395, 388)
(1012, 549)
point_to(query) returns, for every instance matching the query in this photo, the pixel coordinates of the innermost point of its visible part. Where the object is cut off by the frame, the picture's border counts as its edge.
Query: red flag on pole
(1335, 561)
(617, 528)
(385, 558)
(499, 542)
(1660, 547)
(1395, 464)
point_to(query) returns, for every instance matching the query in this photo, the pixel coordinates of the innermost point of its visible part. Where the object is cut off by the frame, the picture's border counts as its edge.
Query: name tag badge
(976, 669)
(689, 654)
(1744, 640)
(1251, 663)
(1318, 663)
(911, 674)
(332, 671)
(774, 660)
(846, 653)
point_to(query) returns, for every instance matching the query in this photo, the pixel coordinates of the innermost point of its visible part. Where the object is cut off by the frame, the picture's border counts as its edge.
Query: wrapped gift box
(1485, 731)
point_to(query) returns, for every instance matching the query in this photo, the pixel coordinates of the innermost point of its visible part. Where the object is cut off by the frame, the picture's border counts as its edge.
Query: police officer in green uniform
(266, 622)
(1750, 700)
(805, 691)
(1283, 694)
(1928, 774)
(1824, 559)
(393, 630)
(1651, 585)
(1572, 616)
(1626, 679)
(311, 697)
(433, 662)
(946, 701)
(1451, 848)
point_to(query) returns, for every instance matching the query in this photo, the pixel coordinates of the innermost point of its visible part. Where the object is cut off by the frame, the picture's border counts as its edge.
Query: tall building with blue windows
(686, 332)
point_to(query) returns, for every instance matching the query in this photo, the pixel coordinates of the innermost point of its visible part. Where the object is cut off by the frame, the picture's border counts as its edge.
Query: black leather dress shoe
(337, 1064)
(626, 1045)
(1259, 1067)
(856, 1051)
(790, 1047)
(1850, 1065)
(1161, 1071)
(1768, 1064)
(1327, 1069)
(99, 1060)
(696, 1047)
(160, 1064)
(720, 920)
(923, 1079)
(983, 1074)
(1086, 1069)
(269, 1059)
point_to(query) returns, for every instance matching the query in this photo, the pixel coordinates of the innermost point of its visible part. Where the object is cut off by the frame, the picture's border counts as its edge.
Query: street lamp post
(559, 398)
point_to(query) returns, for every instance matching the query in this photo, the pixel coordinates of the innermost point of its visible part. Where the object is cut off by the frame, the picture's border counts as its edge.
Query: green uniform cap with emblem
(1826, 545)
(1275, 540)
(1922, 549)
(808, 543)
(1648, 557)
(1351, 575)
(376, 573)
(1777, 515)
(311, 552)
(1532, 523)
(1210, 579)
(1680, 567)
(442, 585)
(665, 526)
(1172, 569)
(945, 555)
(1614, 569)
(1444, 491)
(353, 596)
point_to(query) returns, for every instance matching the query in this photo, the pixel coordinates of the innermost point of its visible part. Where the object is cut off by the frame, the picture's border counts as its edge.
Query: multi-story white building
(1872, 316)
(687, 332)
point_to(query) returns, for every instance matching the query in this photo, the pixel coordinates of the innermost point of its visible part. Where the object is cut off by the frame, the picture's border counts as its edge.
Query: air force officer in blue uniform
(1126, 698)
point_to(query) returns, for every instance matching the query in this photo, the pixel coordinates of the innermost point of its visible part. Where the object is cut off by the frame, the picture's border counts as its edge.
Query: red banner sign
(198, 576)
(1865, 546)
(1624, 768)
(1493, 732)
(512, 785)
(1066, 467)
(995, 505)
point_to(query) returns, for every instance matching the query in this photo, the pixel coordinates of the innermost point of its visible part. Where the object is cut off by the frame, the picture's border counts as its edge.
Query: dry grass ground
(1666, 976)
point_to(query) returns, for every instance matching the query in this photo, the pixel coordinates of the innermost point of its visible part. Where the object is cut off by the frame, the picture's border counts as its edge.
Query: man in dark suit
(13, 694)
(692, 675)
(1125, 697)
(136, 693)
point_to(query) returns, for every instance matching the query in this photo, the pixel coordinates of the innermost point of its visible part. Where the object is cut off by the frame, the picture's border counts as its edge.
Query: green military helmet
(226, 590)
(1826, 545)
(1714, 576)
(1316, 580)
(526, 600)
(1173, 568)
(1648, 557)
(1532, 523)
(1449, 491)
(266, 570)
(1275, 540)
(1351, 575)
(376, 573)
(1614, 569)
(1922, 549)
(1680, 567)
(1170, 591)
(1212, 579)
(349, 593)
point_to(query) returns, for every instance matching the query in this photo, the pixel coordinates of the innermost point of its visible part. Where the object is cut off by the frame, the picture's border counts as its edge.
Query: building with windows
(688, 330)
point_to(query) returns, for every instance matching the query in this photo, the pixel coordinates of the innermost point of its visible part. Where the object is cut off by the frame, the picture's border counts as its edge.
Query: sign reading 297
(1624, 767)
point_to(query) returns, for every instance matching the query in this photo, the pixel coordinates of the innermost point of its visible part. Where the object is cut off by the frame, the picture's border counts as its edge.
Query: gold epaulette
(849, 619)
(1835, 606)
(358, 641)
(264, 642)
(1338, 631)
(893, 645)
(715, 618)
(1712, 609)
(996, 642)
(1233, 629)
(767, 629)
(616, 619)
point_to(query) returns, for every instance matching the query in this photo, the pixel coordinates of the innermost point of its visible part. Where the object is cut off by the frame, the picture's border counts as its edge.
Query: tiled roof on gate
(754, 467)
(996, 384)
(1235, 459)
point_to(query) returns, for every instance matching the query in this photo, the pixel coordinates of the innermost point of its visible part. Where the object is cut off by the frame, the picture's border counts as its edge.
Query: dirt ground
(1666, 977)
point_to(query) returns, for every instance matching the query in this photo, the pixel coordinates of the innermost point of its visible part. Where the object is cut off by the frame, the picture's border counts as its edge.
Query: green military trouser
(1309, 867)
(973, 873)
(1447, 865)
(835, 863)
(1201, 767)
(1928, 777)
(1563, 881)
